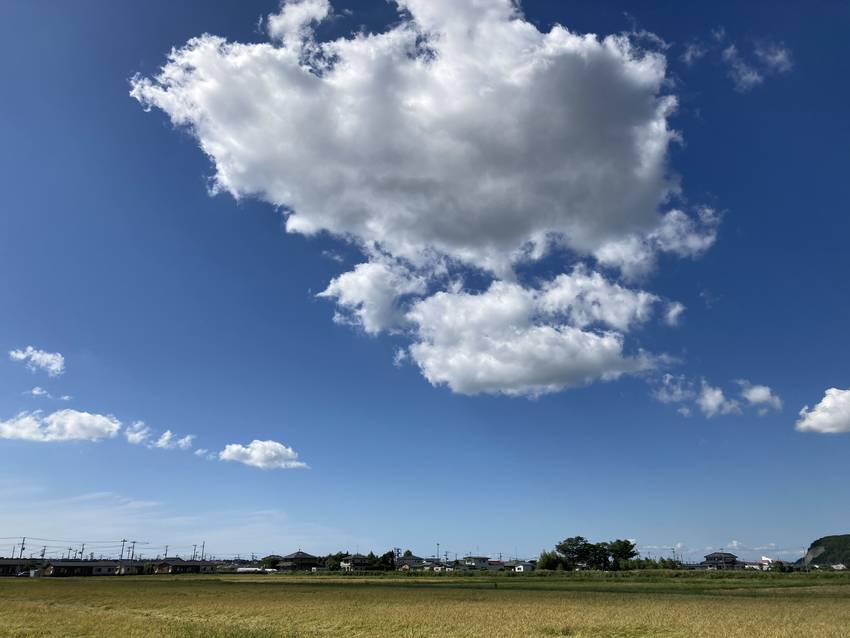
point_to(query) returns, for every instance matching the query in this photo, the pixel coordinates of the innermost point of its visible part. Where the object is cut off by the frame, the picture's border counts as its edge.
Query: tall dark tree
(386, 562)
(575, 552)
(622, 550)
(599, 557)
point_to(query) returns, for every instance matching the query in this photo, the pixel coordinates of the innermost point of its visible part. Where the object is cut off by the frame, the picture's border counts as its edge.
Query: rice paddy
(579, 605)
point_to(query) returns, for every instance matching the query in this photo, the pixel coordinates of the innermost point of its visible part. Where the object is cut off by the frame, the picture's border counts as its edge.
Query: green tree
(548, 560)
(621, 550)
(575, 552)
(387, 561)
(599, 557)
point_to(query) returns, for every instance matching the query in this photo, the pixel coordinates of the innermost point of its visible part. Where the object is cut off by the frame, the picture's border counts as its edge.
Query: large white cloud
(463, 130)
(492, 342)
(461, 137)
(53, 363)
(266, 455)
(62, 425)
(831, 415)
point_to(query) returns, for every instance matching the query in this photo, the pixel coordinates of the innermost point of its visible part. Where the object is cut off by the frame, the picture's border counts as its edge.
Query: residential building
(476, 562)
(354, 563)
(298, 562)
(721, 560)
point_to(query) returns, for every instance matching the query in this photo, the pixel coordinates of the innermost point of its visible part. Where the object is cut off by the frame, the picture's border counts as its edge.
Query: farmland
(583, 604)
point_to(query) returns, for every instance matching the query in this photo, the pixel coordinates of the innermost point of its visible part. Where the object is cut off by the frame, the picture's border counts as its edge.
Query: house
(476, 562)
(298, 562)
(65, 568)
(406, 563)
(354, 563)
(721, 560)
(180, 566)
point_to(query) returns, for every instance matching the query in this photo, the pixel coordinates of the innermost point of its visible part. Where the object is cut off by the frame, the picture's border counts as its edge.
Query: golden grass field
(626, 606)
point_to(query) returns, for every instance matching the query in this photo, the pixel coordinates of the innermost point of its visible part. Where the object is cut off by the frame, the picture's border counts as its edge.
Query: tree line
(383, 562)
(576, 552)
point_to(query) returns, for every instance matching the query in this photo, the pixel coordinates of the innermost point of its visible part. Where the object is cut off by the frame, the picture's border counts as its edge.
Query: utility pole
(194, 551)
(82, 551)
(43, 552)
(438, 551)
(23, 545)
(132, 551)
(166, 552)
(203, 545)
(123, 540)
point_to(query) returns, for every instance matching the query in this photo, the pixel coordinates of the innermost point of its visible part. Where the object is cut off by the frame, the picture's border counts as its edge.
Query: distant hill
(829, 550)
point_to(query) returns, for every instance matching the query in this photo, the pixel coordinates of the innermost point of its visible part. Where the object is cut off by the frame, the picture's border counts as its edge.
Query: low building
(68, 568)
(519, 566)
(298, 562)
(180, 566)
(476, 562)
(135, 568)
(15, 566)
(354, 563)
(721, 560)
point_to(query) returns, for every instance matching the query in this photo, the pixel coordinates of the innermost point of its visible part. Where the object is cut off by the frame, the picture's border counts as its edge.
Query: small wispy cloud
(168, 441)
(53, 363)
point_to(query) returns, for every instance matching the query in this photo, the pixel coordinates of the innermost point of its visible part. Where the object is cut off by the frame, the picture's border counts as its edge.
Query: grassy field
(619, 606)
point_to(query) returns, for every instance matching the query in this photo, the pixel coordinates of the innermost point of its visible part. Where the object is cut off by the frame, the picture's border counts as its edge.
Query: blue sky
(494, 430)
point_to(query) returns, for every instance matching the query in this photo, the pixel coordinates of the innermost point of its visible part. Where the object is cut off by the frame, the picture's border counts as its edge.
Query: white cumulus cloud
(53, 363)
(369, 295)
(460, 138)
(760, 396)
(831, 415)
(462, 130)
(712, 401)
(491, 342)
(137, 433)
(62, 425)
(588, 298)
(266, 455)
